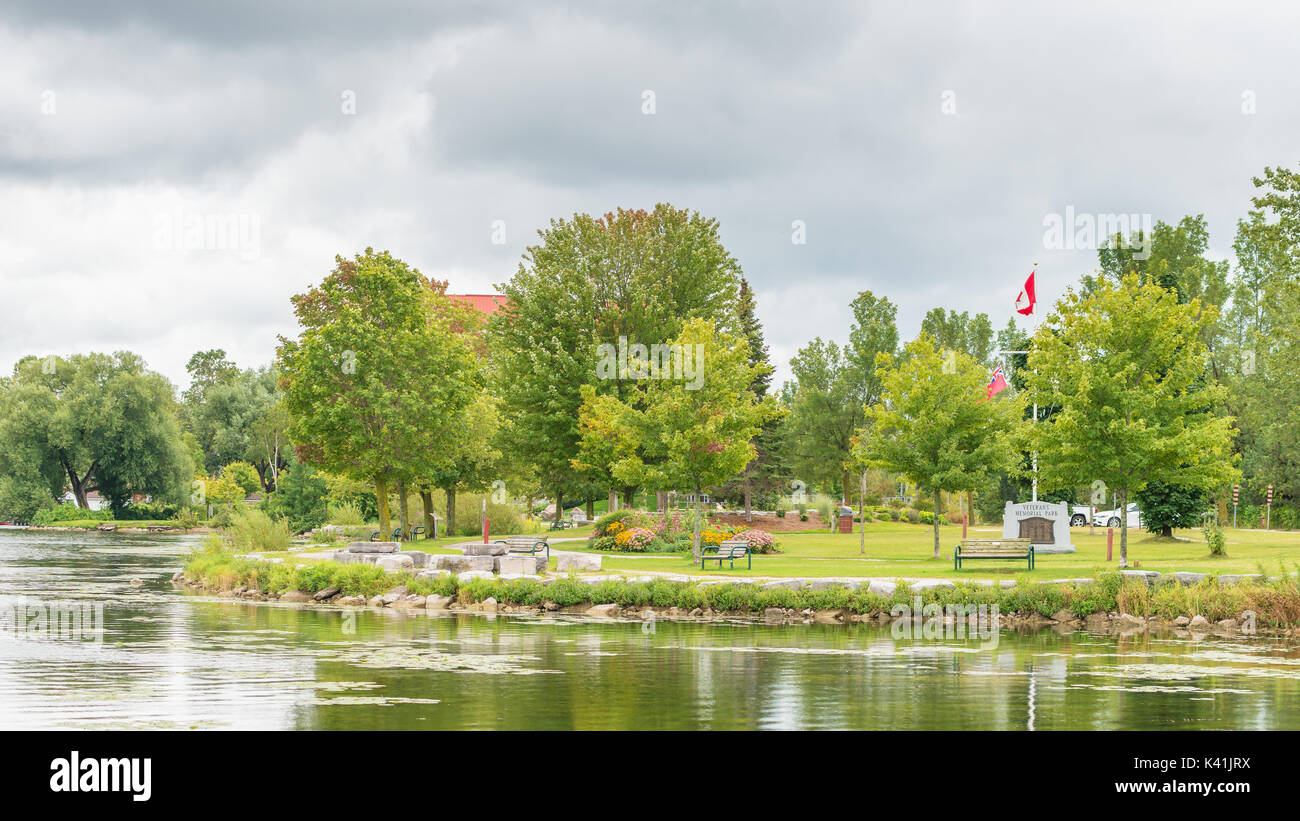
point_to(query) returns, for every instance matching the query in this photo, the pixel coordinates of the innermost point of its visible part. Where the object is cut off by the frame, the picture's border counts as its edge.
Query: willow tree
(1127, 366)
(377, 378)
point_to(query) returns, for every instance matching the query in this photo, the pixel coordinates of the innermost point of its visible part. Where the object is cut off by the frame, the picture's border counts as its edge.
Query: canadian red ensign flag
(1025, 302)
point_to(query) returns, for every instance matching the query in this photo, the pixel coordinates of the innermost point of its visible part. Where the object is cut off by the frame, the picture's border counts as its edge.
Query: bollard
(1110, 541)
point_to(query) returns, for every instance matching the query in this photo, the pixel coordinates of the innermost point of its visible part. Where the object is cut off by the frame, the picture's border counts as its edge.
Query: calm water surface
(168, 659)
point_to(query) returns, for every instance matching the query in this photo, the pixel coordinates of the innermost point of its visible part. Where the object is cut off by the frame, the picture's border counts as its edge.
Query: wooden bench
(530, 545)
(727, 551)
(993, 549)
(561, 525)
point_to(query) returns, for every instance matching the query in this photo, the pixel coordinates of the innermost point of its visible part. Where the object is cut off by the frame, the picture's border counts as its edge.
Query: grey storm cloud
(921, 146)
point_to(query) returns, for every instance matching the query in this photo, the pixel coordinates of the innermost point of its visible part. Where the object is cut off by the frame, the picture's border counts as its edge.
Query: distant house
(93, 500)
(486, 304)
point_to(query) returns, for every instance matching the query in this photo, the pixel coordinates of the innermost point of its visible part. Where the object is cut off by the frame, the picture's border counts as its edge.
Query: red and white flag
(997, 383)
(1025, 302)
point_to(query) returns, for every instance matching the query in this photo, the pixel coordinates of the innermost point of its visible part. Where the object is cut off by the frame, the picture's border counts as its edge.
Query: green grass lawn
(902, 550)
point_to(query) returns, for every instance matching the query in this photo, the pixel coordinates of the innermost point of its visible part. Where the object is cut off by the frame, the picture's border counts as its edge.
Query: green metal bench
(728, 551)
(561, 525)
(1013, 549)
(529, 545)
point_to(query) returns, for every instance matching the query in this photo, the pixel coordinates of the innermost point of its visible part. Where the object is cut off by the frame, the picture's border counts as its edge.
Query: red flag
(1025, 302)
(997, 383)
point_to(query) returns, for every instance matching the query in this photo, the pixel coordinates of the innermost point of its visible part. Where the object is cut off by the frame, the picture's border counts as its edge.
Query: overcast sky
(922, 145)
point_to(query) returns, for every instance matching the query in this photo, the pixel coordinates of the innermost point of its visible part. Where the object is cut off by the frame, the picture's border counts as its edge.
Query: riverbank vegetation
(1274, 600)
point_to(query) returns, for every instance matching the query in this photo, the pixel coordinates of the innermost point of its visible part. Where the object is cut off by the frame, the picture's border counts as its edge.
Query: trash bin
(846, 519)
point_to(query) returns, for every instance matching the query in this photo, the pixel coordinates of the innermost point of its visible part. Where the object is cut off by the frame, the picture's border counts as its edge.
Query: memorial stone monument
(1044, 524)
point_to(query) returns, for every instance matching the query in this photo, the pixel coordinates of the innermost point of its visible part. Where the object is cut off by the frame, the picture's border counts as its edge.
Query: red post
(1110, 541)
(485, 529)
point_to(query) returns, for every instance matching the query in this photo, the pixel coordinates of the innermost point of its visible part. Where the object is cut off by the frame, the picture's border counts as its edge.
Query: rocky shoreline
(399, 599)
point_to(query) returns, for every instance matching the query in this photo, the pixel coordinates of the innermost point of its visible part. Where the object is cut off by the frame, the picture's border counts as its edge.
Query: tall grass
(345, 514)
(251, 529)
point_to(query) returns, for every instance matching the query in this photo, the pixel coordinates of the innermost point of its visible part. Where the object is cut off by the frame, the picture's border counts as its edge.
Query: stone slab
(373, 547)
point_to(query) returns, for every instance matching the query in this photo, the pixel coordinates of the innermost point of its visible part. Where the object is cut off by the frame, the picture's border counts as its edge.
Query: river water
(171, 659)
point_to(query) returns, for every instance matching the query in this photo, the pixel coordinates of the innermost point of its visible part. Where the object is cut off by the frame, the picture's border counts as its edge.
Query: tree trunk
(451, 510)
(591, 509)
(844, 491)
(1122, 497)
(613, 500)
(403, 509)
(749, 508)
(936, 524)
(559, 506)
(1166, 531)
(696, 550)
(629, 496)
(426, 502)
(381, 499)
(80, 484)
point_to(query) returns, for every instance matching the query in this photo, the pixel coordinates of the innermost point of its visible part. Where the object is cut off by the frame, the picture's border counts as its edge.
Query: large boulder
(565, 562)
(930, 584)
(525, 565)
(1148, 576)
(462, 564)
(1188, 579)
(295, 596)
(373, 547)
(327, 593)
(879, 587)
(393, 563)
(1238, 578)
(485, 550)
(437, 602)
(471, 575)
(419, 557)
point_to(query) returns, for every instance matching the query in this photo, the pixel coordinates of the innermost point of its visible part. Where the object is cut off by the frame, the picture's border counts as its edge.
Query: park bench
(727, 551)
(993, 549)
(417, 531)
(530, 545)
(396, 537)
(561, 525)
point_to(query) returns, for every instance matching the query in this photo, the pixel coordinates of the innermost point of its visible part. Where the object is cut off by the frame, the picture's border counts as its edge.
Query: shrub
(69, 513)
(1213, 534)
(252, 529)
(913, 515)
(759, 541)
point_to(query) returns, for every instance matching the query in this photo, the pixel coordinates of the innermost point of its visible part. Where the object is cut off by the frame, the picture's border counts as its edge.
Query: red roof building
(486, 304)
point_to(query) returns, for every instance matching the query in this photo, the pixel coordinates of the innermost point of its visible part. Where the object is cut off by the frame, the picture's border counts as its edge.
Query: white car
(1079, 515)
(1110, 518)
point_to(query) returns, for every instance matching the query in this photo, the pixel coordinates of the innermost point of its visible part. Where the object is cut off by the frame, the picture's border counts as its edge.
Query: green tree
(683, 433)
(935, 425)
(1127, 367)
(302, 499)
(631, 274)
(961, 332)
(106, 421)
(831, 390)
(375, 380)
